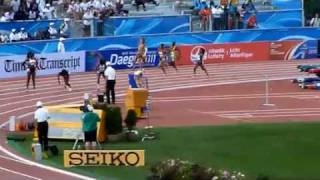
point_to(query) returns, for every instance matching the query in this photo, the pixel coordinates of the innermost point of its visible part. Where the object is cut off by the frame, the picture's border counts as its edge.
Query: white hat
(86, 96)
(13, 30)
(108, 63)
(66, 19)
(51, 24)
(22, 29)
(48, 5)
(139, 72)
(7, 13)
(61, 39)
(90, 108)
(39, 104)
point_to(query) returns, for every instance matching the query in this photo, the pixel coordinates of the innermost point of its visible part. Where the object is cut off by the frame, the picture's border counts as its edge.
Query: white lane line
(224, 66)
(19, 173)
(12, 159)
(45, 166)
(173, 87)
(120, 86)
(258, 110)
(176, 79)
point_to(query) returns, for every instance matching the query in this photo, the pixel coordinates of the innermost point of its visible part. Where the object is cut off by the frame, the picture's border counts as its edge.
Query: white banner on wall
(50, 63)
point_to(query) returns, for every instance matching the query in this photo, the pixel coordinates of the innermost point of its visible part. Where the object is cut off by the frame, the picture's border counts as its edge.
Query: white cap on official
(61, 39)
(13, 30)
(86, 96)
(108, 63)
(90, 108)
(39, 104)
(51, 24)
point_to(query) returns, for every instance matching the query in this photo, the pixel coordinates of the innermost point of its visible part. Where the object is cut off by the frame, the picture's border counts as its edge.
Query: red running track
(179, 99)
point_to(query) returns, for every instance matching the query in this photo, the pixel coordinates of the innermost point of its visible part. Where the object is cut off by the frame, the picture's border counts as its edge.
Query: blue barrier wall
(146, 25)
(287, 4)
(127, 42)
(30, 26)
(278, 19)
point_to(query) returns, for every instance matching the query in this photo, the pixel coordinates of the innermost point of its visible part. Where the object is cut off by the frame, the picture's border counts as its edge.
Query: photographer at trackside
(41, 116)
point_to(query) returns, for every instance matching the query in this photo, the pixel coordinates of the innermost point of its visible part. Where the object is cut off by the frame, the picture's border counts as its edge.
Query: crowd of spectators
(51, 32)
(29, 10)
(225, 16)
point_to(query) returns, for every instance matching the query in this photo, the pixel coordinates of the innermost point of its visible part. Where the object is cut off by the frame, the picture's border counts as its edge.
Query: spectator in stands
(140, 3)
(249, 7)
(267, 2)
(48, 12)
(53, 31)
(315, 22)
(13, 36)
(5, 17)
(34, 13)
(204, 16)
(252, 22)
(87, 20)
(224, 17)
(232, 16)
(21, 14)
(23, 35)
(3, 38)
(153, 2)
(41, 5)
(217, 17)
(83, 5)
(64, 28)
(119, 6)
(14, 5)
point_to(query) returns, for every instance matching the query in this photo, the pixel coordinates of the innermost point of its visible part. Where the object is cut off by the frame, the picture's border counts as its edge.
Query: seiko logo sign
(104, 158)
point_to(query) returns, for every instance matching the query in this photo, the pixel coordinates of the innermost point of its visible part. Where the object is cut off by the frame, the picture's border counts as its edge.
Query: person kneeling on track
(66, 77)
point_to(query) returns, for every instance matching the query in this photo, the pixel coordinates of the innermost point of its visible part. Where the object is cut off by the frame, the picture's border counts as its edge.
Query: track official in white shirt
(110, 75)
(41, 116)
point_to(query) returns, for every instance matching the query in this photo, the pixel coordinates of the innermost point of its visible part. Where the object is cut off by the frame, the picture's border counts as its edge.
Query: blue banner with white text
(120, 59)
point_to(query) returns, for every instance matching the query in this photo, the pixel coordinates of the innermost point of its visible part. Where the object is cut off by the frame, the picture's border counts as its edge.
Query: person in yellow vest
(89, 127)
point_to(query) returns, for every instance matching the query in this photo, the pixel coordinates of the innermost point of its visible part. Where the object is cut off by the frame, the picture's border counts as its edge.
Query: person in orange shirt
(204, 16)
(252, 22)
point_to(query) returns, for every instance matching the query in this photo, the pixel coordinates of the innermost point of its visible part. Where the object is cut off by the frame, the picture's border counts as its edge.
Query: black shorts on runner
(90, 136)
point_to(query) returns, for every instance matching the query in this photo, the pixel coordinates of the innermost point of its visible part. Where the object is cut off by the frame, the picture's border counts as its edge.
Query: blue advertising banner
(287, 4)
(146, 25)
(131, 42)
(305, 50)
(120, 59)
(30, 26)
(278, 19)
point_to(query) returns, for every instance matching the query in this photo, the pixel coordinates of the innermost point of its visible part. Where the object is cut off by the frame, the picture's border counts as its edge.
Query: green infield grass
(280, 151)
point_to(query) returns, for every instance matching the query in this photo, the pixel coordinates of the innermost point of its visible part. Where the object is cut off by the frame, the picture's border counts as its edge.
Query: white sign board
(51, 63)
